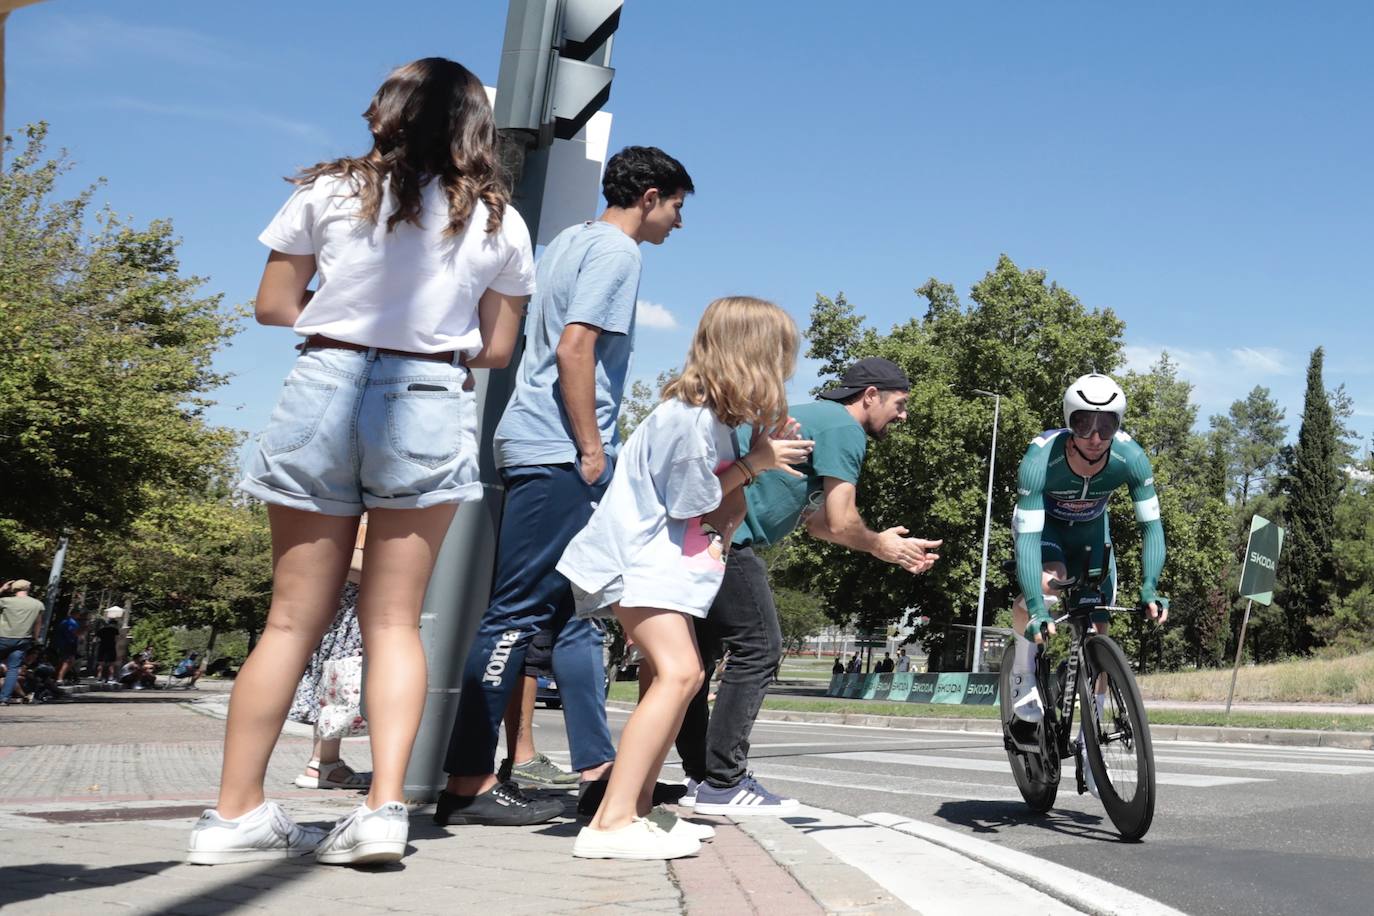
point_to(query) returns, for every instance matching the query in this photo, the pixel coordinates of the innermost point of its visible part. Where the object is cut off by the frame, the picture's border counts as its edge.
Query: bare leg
(310, 554)
(327, 749)
(1020, 617)
(520, 721)
(667, 640)
(401, 547)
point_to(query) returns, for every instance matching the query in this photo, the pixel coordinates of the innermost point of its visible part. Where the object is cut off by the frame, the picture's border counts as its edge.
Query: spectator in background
(138, 674)
(21, 617)
(107, 638)
(188, 668)
(887, 664)
(837, 668)
(854, 666)
(66, 642)
(903, 661)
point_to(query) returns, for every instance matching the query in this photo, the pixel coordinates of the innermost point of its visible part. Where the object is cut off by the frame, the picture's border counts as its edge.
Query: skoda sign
(1261, 561)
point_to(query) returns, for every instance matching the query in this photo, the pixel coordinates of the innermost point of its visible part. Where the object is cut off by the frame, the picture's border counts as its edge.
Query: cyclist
(1065, 480)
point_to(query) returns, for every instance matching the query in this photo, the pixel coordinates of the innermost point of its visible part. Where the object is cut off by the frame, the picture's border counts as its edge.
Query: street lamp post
(987, 532)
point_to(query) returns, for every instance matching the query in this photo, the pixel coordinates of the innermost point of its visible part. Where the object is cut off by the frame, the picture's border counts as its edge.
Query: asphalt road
(1237, 828)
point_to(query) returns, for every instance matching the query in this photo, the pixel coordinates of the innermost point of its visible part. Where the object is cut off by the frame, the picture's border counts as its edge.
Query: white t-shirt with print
(412, 288)
(644, 545)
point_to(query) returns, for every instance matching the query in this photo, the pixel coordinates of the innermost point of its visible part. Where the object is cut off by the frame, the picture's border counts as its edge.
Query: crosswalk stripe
(1192, 780)
(1257, 763)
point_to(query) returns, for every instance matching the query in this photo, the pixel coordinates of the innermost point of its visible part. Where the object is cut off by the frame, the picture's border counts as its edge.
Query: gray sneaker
(540, 772)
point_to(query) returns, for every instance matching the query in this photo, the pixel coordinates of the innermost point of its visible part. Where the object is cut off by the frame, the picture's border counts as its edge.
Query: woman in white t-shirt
(653, 552)
(423, 270)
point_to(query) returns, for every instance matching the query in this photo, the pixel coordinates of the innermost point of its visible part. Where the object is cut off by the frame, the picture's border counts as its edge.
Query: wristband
(750, 475)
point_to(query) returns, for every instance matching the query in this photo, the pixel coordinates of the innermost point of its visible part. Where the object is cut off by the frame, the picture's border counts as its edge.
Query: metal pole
(460, 585)
(1240, 648)
(987, 533)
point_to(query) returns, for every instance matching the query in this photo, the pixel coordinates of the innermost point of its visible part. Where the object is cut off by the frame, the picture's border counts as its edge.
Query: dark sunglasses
(1084, 423)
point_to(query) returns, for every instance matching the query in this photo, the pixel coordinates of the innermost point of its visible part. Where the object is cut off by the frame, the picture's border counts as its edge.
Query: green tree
(1022, 336)
(188, 561)
(641, 401)
(105, 364)
(1314, 489)
(1350, 627)
(1160, 415)
(1252, 433)
(800, 617)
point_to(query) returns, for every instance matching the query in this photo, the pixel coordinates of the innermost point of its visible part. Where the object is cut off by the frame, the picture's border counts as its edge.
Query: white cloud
(652, 315)
(238, 117)
(1220, 377)
(91, 38)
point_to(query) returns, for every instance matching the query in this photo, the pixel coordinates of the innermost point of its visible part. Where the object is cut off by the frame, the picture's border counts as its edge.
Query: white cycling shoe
(1025, 698)
(1087, 770)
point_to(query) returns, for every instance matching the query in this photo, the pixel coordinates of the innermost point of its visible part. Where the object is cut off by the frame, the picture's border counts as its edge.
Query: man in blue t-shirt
(714, 744)
(555, 446)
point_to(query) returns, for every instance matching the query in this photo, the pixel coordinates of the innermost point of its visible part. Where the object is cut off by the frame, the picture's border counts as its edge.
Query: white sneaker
(263, 833)
(666, 820)
(639, 839)
(1087, 770)
(1025, 698)
(367, 837)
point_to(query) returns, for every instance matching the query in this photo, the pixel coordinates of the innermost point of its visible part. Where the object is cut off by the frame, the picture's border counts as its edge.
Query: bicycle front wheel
(1118, 746)
(1036, 774)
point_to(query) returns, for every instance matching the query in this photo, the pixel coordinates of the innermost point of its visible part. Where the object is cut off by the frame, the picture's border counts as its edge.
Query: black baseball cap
(872, 372)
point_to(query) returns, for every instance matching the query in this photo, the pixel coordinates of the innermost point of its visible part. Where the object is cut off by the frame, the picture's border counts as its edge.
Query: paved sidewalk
(97, 797)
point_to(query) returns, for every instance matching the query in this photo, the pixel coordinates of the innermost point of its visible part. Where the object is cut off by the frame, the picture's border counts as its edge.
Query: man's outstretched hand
(915, 555)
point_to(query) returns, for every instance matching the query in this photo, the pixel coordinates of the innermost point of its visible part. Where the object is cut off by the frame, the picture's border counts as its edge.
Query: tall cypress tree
(1313, 489)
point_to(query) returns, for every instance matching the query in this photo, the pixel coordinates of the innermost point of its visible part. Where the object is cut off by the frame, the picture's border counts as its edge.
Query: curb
(836, 887)
(1286, 737)
(1072, 888)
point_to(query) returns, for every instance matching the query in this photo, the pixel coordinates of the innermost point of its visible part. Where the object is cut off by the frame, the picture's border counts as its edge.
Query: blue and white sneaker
(689, 800)
(745, 798)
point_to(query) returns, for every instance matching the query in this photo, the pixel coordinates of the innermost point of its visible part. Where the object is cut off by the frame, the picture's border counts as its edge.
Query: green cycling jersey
(1053, 502)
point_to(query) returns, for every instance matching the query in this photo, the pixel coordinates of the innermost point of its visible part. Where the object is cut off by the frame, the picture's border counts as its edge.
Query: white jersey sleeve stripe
(1025, 521)
(1147, 510)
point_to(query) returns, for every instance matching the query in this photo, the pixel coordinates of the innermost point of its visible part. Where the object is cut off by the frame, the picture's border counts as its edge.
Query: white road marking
(919, 759)
(1087, 893)
(928, 877)
(1273, 766)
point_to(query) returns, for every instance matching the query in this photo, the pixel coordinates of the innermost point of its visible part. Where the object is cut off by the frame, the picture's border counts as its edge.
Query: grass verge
(1309, 680)
(1305, 721)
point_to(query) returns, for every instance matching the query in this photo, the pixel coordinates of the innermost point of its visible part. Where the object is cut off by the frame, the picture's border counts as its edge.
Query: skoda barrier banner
(947, 688)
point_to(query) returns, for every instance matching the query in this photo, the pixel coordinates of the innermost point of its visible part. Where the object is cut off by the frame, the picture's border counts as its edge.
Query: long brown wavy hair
(430, 120)
(742, 355)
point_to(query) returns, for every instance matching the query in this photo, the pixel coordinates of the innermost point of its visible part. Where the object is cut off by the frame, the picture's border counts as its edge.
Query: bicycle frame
(1083, 596)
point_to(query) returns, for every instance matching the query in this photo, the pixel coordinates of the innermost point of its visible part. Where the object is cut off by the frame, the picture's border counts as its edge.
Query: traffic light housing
(554, 66)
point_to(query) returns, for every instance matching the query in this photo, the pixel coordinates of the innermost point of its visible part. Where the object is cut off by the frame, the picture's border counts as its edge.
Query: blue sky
(1203, 169)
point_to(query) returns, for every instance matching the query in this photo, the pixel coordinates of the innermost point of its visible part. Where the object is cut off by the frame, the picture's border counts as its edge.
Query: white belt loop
(371, 354)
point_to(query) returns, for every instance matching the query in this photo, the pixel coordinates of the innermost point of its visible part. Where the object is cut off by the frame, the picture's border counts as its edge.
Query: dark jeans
(714, 746)
(12, 650)
(546, 505)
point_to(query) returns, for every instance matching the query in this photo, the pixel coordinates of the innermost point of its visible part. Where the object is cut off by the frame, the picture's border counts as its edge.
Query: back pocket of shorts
(425, 427)
(297, 415)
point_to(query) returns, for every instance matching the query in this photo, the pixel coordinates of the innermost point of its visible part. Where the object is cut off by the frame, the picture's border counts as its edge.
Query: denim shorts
(357, 430)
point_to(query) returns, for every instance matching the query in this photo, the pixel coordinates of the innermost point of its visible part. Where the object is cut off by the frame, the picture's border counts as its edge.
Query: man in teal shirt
(714, 745)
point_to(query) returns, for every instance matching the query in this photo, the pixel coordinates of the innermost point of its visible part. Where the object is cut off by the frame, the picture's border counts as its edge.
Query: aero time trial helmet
(1099, 403)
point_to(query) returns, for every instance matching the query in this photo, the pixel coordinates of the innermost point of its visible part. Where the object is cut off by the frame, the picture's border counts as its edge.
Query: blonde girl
(653, 552)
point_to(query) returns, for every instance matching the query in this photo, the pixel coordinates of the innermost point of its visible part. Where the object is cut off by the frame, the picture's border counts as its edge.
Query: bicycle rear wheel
(1036, 775)
(1118, 746)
